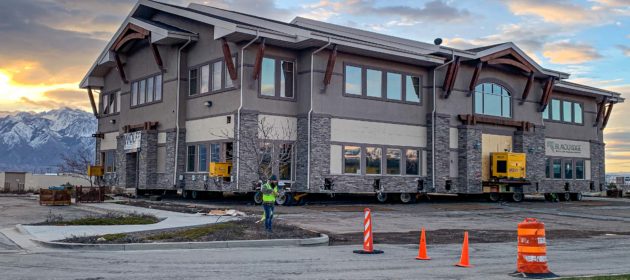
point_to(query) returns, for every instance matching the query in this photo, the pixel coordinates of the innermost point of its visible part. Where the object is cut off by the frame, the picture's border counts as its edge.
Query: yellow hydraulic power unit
(220, 169)
(95, 170)
(508, 165)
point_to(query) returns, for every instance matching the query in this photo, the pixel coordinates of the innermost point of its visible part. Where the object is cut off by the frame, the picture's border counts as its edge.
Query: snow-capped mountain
(35, 141)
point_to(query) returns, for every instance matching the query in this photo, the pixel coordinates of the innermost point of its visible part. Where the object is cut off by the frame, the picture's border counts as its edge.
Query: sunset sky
(47, 46)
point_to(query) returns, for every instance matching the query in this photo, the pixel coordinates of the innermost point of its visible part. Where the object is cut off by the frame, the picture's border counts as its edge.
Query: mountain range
(34, 142)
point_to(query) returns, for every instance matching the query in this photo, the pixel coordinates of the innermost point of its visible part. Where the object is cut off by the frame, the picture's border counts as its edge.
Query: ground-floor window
(373, 160)
(352, 159)
(393, 161)
(190, 166)
(285, 162)
(109, 161)
(557, 168)
(397, 161)
(412, 162)
(200, 156)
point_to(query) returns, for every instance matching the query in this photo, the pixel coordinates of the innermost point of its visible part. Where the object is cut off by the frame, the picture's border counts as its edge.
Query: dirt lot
(445, 218)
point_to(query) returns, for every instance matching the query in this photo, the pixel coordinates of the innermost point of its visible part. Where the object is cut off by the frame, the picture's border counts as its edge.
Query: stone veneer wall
(469, 159)
(598, 169)
(532, 143)
(301, 156)
(249, 144)
(147, 161)
(442, 152)
(165, 180)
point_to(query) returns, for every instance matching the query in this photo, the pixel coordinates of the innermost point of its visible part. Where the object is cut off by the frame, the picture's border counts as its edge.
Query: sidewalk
(169, 220)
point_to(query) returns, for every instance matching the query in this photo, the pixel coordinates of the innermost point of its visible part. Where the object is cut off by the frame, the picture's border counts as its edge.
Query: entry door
(491, 143)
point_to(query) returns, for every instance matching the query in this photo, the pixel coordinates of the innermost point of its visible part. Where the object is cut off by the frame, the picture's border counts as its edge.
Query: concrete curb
(322, 240)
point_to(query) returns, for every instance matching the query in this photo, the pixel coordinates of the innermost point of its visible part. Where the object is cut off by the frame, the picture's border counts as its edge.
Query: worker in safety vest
(269, 192)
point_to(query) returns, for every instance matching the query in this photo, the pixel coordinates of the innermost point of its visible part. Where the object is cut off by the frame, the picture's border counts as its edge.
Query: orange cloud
(565, 52)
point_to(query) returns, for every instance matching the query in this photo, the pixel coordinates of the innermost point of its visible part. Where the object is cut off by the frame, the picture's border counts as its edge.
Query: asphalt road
(490, 261)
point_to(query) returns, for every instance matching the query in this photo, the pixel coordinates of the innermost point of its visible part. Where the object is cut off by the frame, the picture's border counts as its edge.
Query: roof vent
(437, 41)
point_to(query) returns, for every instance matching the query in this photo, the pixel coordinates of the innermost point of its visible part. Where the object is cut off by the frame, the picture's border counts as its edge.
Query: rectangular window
(217, 69)
(110, 161)
(134, 94)
(412, 89)
(265, 166)
(568, 169)
(545, 113)
(393, 161)
(142, 91)
(354, 80)
(577, 113)
(118, 101)
(205, 79)
(555, 109)
(412, 162)
(190, 166)
(547, 167)
(394, 86)
(567, 111)
(557, 168)
(285, 162)
(203, 158)
(286, 79)
(150, 93)
(215, 152)
(373, 160)
(352, 160)
(374, 83)
(268, 77)
(579, 169)
(158, 87)
(192, 81)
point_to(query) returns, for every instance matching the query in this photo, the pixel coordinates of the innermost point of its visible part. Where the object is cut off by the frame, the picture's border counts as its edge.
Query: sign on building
(567, 148)
(132, 141)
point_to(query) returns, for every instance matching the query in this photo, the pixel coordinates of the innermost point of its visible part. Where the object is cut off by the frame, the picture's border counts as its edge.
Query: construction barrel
(532, 247)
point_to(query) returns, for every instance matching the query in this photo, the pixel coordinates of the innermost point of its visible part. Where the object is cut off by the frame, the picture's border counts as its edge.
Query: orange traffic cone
(422, 250)
(463, 260)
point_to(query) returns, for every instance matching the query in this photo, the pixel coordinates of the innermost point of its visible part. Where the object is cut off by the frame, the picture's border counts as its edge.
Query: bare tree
(257, 153)
(76, 164)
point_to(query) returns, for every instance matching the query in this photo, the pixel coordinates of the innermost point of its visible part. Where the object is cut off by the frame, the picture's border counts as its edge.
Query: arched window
(493, 100)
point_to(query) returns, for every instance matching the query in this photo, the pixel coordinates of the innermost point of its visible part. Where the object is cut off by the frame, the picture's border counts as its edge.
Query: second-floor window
(146, 91)
(564, 111)
(386, 85)
(493, 100)
(277, 78)
(209, 78)
(110, 103)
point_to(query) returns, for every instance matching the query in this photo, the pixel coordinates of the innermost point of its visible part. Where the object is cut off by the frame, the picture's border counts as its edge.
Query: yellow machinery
(95, 170)
(220, 169)
(508, 165)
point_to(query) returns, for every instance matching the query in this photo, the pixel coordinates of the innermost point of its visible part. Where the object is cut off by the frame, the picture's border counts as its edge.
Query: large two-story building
(339, 110)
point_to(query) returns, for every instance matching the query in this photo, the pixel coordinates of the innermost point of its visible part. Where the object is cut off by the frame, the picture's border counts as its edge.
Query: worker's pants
(268, 215)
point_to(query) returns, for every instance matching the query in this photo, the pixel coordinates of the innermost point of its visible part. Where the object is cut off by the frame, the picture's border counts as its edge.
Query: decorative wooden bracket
(259, 58)
(547, 89)
(608, 113)
(511, 62)
(156, 56)
(121, 70)
(474, 119)
(92, 102)
(229, 63)
(332, 58)
(475, 78)
(451, 76)
(528, 87)
(600, 111)
(140, 127)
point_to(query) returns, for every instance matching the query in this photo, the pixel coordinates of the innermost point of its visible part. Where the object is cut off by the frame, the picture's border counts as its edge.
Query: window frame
(561, 112)
(209, 154)
(224, 75)
(104, 157)
(384, 148)
(277, 78)
(146, 79)
(497, 83)
(113, 97)
(563, 169)
(384, 72)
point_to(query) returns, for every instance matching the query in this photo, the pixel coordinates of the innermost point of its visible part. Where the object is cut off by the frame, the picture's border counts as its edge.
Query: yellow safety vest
(272, 196)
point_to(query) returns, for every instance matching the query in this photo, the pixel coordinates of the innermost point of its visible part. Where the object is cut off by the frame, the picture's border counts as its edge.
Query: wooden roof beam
(608, 113)
(92, 102)
(528, 87)
(449, 81)
(600, 111)
(156, 56)
(121, 70)
(511, 62)
(259, 58)
(330, 66)
(229, 62)
(547, 89)
(475, 78)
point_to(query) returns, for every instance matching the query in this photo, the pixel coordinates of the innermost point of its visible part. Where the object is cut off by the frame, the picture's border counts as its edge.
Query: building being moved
(346, 110)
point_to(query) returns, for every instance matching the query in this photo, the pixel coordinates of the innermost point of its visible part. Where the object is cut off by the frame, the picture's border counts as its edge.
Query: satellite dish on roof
(437, 41)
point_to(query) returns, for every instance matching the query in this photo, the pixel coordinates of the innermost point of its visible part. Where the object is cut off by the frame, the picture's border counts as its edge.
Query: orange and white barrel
(532, 247)
(368, 245)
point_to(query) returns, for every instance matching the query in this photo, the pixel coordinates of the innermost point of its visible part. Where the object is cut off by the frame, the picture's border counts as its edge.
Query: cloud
(564, 12)
(56, 99)
(566, 52)
(624, 49)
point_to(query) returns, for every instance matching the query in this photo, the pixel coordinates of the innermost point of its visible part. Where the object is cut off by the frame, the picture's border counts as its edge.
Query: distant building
(622, 180)
(28, 182)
